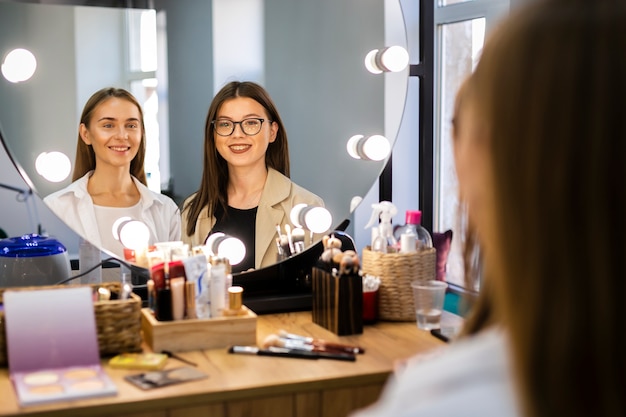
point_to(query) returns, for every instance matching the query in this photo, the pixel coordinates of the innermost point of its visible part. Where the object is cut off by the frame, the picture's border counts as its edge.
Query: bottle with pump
(383, 239)
(412, 236)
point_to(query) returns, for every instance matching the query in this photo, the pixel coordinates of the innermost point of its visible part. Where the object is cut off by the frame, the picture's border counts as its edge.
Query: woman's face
(114, 132)
(473, 167)
(239, 149)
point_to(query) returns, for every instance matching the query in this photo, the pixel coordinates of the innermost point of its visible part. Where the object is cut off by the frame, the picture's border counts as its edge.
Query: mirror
(313, 68)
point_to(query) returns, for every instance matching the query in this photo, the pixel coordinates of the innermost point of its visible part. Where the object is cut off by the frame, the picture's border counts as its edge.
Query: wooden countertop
(236, 378)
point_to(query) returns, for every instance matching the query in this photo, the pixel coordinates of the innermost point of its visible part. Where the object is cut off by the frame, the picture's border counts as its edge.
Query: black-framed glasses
(250, 126)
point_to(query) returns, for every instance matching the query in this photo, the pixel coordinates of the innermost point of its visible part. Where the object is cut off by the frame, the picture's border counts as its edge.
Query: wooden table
(242, 385)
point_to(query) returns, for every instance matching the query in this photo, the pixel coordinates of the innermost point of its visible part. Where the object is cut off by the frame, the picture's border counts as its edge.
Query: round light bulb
(318, 219)
(116, 226)
(370, 62)
(394, 58)
(294, 215)
(233, 249)
(352, 146)
(19, 65)
(134, 235)
(376, 148)
(354, 203)
(53, 166)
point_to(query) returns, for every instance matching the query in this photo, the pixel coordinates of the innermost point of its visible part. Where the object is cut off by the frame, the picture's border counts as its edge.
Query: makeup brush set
(291, 345)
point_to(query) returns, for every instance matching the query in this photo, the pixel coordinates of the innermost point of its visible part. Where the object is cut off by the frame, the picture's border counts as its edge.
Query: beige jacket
(279, 196)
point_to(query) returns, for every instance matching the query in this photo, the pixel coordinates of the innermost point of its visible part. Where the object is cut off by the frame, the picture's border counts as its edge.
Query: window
(143, 84)
(460, 33)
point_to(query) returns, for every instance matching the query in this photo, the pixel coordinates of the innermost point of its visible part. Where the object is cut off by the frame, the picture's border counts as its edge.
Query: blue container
(32, 260)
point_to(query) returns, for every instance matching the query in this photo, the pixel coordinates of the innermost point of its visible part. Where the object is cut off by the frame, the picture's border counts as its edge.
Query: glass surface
(460, 45)
(79, 49)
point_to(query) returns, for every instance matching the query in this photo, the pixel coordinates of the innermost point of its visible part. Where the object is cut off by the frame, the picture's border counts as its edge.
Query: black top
(242, 225)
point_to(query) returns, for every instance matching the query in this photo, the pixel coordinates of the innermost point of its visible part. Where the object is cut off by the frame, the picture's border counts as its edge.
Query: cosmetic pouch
(337, 301)
(396, 272)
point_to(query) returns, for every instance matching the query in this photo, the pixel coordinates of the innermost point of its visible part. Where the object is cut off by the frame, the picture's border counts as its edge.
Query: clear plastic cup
(428, 297)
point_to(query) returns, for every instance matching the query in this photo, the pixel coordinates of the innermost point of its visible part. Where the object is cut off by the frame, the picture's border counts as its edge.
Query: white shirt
(469, 378)
(74, 206)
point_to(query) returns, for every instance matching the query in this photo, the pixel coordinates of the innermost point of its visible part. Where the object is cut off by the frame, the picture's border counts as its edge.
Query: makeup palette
(52, 346)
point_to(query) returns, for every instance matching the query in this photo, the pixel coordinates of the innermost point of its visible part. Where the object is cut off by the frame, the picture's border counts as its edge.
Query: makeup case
(396, 272)
(118, 322)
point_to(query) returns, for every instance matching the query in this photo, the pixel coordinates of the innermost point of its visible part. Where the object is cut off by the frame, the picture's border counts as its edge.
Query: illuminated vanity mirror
(313, 68)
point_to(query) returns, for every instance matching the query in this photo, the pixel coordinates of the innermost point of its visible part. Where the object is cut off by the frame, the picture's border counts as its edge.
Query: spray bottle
(382, 236)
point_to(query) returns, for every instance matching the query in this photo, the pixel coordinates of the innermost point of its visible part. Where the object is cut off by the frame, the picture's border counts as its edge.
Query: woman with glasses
(109, 177)
(245, 191)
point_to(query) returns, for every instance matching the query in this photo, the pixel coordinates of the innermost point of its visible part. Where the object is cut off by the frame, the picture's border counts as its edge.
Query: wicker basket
(118, 322)
(396, 272)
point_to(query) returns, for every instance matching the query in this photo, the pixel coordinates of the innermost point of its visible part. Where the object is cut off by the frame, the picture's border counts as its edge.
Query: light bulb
(318, 219)
(370, 62)
(231, 248)
(394, 58)
(314, 218)
(134, 235)
(391, 59)
(19, 65)
(115, 229)
(370, 148)
(53, 166)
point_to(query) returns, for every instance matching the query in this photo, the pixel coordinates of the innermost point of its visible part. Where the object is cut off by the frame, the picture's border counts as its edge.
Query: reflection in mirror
(315, 74)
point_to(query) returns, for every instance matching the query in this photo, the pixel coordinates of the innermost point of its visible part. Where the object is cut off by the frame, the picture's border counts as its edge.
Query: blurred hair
(85, 156)
(214, 182)
(550, 87)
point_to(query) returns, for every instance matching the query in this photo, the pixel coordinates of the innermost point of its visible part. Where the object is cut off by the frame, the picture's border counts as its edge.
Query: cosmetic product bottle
(151, 294)
(217, 285)
(164, 300)
(413, 230)
(383, 241)
(235, 302)
(177, 285)
(190, 300)
(178, 297)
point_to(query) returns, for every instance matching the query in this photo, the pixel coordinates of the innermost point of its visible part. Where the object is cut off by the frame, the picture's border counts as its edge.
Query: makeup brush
(289, 238)
(321, 343)
(294, 345)
(297, 235)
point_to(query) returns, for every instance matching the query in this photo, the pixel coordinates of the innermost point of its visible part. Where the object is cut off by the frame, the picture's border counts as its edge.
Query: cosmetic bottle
(384, 240)
(217, 285)
(412, 236)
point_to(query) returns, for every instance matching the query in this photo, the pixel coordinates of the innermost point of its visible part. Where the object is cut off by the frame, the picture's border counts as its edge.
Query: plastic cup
(428, 297)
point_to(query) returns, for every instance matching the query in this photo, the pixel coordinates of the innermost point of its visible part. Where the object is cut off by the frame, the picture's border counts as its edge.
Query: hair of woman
(550, 86)
(214, 182)
(85, 156)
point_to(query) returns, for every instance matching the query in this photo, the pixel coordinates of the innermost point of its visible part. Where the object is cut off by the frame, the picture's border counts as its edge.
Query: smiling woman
(312, 66)
(109, 178)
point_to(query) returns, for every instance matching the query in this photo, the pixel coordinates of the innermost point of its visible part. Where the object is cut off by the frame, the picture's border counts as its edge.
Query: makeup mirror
(313, 68)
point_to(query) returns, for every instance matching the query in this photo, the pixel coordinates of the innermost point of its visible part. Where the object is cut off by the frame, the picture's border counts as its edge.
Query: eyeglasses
(250, 126)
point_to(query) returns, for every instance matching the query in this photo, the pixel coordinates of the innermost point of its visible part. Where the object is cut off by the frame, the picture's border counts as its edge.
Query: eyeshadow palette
(49, 385)
(52, 346)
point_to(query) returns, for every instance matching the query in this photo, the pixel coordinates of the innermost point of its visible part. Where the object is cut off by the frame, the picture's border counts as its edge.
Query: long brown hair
(85, 156)
(551, 87)
(214, 183)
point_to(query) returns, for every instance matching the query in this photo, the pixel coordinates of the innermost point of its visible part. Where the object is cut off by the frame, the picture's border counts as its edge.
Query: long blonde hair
(551, 86)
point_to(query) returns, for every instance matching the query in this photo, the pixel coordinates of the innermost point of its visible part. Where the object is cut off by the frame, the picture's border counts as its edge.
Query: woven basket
(118, 322)
(396, 272)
